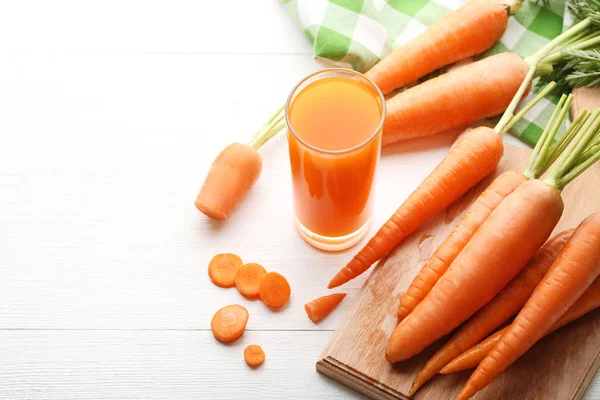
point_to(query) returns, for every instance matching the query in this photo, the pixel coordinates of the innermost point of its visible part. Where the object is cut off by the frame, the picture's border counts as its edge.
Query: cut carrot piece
(323, 306)
(254, 355)
(248, 278)
(223, 268)
(274, 289)
(228, 324)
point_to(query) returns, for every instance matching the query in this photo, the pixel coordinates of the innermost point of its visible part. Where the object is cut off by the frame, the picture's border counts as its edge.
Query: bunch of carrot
(483, 89)
(495, 243)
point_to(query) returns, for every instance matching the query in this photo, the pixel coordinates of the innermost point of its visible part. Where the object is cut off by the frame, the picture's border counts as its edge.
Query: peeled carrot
(506, 304)
(228, 324)
(471, 358)
(476, 91)
(441, 259)
(274, 289)
(254, 356)
(248, 279)
(465, 32)
(572, 273)
(495, 254)
(323, 306)
(472, 157)
(223, 268)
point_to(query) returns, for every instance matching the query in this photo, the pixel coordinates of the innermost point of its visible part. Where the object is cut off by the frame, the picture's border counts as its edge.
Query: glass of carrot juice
(334, 119)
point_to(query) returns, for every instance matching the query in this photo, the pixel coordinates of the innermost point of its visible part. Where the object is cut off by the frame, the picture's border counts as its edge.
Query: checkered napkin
(358, 33)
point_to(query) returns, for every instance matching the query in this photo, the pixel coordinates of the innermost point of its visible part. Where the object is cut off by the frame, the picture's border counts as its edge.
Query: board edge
(356, 380)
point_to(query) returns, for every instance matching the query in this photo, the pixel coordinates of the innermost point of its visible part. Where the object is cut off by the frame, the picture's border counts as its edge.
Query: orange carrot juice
(334, 133)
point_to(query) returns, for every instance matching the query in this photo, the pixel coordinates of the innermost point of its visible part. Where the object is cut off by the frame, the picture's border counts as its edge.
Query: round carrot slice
(228, 324)
(223, 268)
(274, 289)
(254, 355)
(248, 279)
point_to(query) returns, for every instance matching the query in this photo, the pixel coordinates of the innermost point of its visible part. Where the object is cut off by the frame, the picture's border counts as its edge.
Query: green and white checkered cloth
(358, 33)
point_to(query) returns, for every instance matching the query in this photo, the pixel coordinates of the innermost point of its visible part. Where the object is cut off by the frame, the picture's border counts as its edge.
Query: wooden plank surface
(559, 367)
(156, 364)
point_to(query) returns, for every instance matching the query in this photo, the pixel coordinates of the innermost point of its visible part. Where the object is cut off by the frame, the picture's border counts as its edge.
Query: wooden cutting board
(558, 367)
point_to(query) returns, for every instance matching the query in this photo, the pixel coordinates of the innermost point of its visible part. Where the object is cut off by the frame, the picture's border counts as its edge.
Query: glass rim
(371, 137)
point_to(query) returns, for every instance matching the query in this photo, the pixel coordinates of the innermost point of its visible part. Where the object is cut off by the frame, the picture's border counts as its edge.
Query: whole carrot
(506, 304)
(471, 358)
(465, 32)
(234, 172)
(576, 267)
(476, 91)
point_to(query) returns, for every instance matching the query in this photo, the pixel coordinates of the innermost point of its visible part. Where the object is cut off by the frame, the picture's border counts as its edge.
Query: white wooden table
(110, 114)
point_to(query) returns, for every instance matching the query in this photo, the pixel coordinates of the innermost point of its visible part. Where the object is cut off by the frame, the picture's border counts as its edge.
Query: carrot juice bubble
(334, 120)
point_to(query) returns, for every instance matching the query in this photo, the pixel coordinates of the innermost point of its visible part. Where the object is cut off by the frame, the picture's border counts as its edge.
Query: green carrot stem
(592, 129)
(584, 35)
(587, 44)
(544, 69)
(541, 164)
(530, 171)
(532, 62)
(583, 40)
(528, 107)
(559, 171)
(268, 130)
(579, 169)
(558, 147)
(538, 56)
(586, 155)
(509, 113)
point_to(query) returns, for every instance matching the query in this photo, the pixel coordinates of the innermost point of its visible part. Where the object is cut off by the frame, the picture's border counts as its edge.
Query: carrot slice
(228, 324)
(323, 306)
(254, 355)
(223, 268)
(248, 278)
(274, 289)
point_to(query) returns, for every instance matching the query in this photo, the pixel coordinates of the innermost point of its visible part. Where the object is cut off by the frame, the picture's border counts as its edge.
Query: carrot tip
(336, 281)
